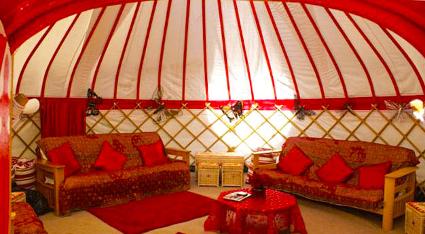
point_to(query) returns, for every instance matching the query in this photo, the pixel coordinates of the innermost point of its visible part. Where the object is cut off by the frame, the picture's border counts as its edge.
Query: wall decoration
(402, 109)
(93, 100)
(234, 111)
(300, 111)
(161, 112)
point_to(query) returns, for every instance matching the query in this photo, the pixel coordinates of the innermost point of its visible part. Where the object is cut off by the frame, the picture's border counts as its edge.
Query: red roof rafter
(223, 39)
(186, 33)
(204, 45)
(164, 37)
(124, 49)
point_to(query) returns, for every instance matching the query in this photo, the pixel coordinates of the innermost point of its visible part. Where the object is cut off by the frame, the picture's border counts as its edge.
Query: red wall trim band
(331, 56)
(164, 37)
(310, 58)
(263, 44)
(43, 86)
(74, 69)
(407, 57)
(366, 71)
(124, 49)
(358, 103)
(105, 47)
(291, 71)
(204, 44)
(186, 33)
(142, 57)
(24, 67)
(223, 39)
(397, 91)
(235, 5)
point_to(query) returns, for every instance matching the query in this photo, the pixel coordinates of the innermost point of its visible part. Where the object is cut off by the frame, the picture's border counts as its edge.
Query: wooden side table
(415, 218)
(230, 163)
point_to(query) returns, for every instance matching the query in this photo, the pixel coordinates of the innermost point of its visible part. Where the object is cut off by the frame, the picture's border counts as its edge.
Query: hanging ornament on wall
(234, 111)
(93, 100)
(402, 109)
(161, 112)
(300, 111)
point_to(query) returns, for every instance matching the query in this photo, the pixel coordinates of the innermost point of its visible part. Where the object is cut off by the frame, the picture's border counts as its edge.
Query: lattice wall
(209, 130)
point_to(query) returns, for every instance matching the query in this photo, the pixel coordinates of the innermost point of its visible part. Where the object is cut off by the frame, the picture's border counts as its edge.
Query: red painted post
(4, 136)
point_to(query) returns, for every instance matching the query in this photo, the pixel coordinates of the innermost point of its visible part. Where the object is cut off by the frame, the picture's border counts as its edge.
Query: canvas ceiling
(197, 51)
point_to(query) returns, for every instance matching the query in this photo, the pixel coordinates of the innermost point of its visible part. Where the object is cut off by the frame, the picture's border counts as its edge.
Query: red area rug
(154, 212)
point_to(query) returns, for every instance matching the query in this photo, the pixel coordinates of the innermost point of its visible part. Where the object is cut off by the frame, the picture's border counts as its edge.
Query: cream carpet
(318, 217)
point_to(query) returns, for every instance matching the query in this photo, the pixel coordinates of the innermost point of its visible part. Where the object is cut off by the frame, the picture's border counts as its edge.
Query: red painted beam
(164, 37)
(204, 45)
(186, 33)
(223, 40)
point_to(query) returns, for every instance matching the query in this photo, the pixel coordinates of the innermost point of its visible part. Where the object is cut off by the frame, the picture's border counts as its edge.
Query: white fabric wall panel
(216, 68)
(149, 76)
(352, 72)
(326, 70)
(172, 64)
(260, 75)
(406, 78)
(282, 76)
(195, 84)
(304, 74)
(417, 58)
(86, 67)
(105, 79)
(22, 53)
(380, 78)
(61, 68)
(238, 76)
(127, 82)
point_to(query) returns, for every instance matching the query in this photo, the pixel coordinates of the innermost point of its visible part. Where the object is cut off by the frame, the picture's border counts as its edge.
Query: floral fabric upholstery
(26, 221)
(355, 153)
(91, 188)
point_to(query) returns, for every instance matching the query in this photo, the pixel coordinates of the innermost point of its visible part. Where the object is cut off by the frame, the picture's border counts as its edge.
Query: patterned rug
(154, 212)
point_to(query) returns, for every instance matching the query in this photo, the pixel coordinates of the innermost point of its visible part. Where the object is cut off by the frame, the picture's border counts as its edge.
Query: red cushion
(64, 155)
(335, 170)
(295, 162)
(153, 154)
(373, 176)
(109, 159)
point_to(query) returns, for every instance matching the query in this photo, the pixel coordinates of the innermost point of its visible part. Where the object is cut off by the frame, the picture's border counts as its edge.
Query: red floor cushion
(335, 170)
(26, 220)
(373, 176)
(109, 159)
(295, 162)
(64, 155)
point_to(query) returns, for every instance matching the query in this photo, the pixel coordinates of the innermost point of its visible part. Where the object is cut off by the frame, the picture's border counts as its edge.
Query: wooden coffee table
(273, 212)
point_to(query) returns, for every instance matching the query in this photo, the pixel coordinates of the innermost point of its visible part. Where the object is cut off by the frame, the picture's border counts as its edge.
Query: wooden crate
(208, 174)
(415, 218)
(232, 174)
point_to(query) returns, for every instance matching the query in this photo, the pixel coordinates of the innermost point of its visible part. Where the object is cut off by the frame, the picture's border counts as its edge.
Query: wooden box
(232, 174)
(208, 174)
(415, 218)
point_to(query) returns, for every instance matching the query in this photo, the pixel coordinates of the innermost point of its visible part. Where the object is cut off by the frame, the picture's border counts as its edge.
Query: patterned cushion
(87, 148)
(26, 221)
(100, 188)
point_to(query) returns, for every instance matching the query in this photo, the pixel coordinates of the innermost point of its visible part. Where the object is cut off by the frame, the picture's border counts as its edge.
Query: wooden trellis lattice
(190, 128)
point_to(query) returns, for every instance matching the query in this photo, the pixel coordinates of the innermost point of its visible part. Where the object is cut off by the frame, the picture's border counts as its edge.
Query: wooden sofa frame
(49, 176)
(395, 196)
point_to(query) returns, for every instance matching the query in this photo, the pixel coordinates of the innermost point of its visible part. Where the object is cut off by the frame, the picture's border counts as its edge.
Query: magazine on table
(237, 196)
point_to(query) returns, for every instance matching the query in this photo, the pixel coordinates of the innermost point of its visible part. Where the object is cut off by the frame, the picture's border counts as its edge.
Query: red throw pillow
(109, 159)
(64, 155)
(335, 170)
(153, 154)
(373, 176)
(295, 162)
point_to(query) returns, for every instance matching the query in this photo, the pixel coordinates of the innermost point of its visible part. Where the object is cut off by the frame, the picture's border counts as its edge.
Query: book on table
(237, 196)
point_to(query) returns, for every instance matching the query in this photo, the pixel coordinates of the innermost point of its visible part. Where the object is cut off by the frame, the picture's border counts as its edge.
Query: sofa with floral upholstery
(78, 172)
(369, 176)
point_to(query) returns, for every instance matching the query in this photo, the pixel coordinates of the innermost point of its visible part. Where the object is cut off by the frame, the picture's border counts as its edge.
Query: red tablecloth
(274, 212)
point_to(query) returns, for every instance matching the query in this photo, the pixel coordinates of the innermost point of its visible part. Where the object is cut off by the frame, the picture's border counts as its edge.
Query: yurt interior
(212, 116)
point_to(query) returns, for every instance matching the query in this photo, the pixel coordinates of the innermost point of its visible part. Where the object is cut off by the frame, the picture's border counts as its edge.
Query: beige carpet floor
(319, 218)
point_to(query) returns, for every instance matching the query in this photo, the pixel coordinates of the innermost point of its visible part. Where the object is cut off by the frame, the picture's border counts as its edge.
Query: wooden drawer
(415, 218)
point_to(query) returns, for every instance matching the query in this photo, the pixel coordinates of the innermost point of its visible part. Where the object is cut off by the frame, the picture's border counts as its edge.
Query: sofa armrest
(48, 179)
(256, 159)
(396, 196)
(179, 154)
